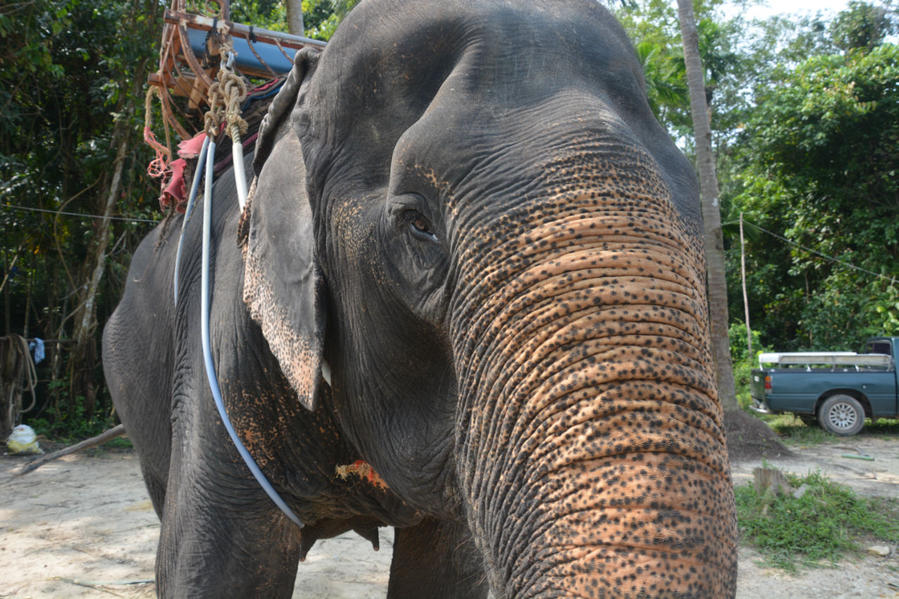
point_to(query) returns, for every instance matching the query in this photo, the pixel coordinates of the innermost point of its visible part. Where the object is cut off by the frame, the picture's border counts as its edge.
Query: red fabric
(190, 148)
(174, 189)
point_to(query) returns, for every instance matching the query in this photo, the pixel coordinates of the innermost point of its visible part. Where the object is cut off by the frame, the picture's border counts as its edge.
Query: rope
(79, 214)
(159, 165)
(226, 96)
(27, 370)
(251, 42)
(30, 371)
(892, 280)
(281, 48)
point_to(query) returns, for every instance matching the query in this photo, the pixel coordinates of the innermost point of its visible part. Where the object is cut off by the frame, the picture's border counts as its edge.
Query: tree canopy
(805, 131)
(817, 165)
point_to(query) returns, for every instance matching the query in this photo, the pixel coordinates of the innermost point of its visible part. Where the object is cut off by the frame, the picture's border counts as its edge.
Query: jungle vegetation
(805, 136)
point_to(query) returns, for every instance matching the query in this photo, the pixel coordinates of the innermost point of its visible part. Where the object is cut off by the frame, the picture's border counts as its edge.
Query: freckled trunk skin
(591, 447)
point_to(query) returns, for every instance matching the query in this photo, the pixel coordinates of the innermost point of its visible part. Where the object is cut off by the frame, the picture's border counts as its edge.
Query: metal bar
(242, 31)
(191, 59)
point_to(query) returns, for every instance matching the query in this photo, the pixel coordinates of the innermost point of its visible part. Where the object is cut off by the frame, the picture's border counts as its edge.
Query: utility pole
(745, 295)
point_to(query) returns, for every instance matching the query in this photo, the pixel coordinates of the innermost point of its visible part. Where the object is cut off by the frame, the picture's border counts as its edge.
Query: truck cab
(838, 390)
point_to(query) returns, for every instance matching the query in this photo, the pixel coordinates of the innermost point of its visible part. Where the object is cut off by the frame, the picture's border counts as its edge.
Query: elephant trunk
(591, 451)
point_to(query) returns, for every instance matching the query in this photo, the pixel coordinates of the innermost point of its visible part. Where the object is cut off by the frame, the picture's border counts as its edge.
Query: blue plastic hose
(207, 349)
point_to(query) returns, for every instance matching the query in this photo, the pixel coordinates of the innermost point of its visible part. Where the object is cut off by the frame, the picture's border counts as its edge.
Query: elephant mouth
(591, 442)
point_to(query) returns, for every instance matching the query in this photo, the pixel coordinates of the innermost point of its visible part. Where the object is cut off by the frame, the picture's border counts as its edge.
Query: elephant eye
(419, 225)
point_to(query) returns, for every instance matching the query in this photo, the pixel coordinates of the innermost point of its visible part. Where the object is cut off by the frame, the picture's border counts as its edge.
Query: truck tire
(841, 415)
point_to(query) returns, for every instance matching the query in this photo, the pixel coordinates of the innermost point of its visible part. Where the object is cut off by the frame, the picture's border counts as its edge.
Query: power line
(79, 214)
(819, 254)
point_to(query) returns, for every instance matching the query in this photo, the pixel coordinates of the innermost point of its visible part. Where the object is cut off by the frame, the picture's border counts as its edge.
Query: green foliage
(743, 362)
(819, 157)
(71, 75)
(655, 31)
(826, 522)
(861, 26)
(321, 17)
(792, 431)
(72, 424)
(266, 14)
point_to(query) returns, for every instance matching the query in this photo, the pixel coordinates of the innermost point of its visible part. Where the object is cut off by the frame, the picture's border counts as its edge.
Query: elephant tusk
(326, 372)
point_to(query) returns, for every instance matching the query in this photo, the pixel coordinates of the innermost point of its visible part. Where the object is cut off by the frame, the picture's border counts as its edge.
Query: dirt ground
(83, 527)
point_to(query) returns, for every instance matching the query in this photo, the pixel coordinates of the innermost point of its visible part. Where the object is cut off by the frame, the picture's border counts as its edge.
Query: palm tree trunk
(711, 213)
(295, 17)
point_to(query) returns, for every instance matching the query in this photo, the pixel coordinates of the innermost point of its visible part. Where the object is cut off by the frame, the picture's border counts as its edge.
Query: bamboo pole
(240, 30)
(104, 437)
(745, 294)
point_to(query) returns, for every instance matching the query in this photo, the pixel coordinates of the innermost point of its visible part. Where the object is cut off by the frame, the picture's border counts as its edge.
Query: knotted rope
(159, 165)
(226, 95)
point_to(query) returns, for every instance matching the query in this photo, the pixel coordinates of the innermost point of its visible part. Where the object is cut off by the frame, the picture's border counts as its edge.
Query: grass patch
(826, 522)
(792, 431)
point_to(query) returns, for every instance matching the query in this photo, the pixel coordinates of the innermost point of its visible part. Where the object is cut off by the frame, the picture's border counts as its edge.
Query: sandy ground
(83, 527)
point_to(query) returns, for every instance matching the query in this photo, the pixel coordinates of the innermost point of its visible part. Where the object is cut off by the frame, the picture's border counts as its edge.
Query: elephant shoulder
(144, 317)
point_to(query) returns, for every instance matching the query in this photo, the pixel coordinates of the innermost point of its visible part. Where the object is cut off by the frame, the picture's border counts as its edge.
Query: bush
(822, 524)
(743, 363)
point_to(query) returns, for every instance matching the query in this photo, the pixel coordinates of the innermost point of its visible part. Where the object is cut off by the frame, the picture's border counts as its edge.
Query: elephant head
(466, 217)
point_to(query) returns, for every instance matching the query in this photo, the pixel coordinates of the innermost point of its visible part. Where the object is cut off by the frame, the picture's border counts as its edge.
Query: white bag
(23, 441)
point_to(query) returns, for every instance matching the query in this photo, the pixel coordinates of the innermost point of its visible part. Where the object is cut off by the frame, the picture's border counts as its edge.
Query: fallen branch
(104, 437)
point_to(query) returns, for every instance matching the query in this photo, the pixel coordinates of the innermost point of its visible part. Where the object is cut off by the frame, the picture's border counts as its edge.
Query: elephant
(466, 300)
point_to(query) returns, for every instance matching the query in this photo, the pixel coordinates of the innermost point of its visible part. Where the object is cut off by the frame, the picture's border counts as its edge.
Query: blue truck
(838, 390)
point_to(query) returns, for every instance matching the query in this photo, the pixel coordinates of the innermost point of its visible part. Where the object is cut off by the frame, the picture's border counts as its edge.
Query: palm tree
(711, 213)
(295, 17)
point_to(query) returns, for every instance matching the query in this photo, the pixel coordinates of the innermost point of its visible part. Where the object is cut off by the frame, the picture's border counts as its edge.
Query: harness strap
(201, 163)
(207, 346)
(235, 90)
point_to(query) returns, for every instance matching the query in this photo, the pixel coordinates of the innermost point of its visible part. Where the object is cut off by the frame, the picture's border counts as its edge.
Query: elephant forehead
(388, 61)
(452, 141)
(395, 55)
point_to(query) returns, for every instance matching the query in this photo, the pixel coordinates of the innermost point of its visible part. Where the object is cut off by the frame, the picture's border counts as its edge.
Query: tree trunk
(295, 17)
(747, 437)
(711, 213)
(82, 361)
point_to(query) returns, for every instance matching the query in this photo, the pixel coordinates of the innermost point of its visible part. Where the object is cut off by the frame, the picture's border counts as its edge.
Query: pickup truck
(838, 390)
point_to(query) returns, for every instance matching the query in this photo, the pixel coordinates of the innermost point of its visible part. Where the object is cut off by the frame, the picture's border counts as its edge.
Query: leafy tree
(323, 16)
(819, 157)
(654, 27)
(711, 213)
(70, 79)
(267, 14)
(862, 26)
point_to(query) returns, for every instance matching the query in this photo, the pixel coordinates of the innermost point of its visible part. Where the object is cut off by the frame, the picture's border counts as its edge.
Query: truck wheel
(841, 415)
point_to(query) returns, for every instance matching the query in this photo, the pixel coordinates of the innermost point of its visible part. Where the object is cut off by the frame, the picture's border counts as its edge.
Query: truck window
(879, 347)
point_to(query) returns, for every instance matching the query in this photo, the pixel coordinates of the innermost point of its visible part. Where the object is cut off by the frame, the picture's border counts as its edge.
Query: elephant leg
(222, 537)
(155, 488)
(438, 560)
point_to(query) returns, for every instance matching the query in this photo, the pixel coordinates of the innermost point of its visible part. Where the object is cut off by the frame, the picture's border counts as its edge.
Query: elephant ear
(283, 285)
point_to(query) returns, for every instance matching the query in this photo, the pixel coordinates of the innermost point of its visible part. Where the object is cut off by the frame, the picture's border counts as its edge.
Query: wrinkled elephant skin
(467, 218)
